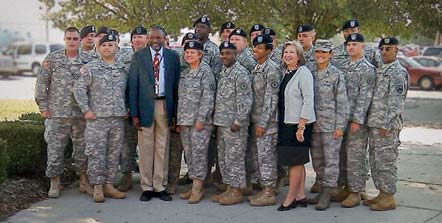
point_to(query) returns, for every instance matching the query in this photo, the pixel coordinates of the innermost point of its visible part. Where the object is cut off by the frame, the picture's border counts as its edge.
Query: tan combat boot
(316, 187)
(248, 190)
(197, 192)
(85, 186)
(386, 202)
(54, 191)
(217, 197)
(110, 191)
(98, 193)
(267, 198)
(341, 194)
(125, 182)
(253, 197)
(324, 198)
(186, 195)
(368, 202)
(353, 200)
(235, 196)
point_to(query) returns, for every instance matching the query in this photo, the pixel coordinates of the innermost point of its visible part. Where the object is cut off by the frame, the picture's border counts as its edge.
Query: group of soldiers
(81, 91)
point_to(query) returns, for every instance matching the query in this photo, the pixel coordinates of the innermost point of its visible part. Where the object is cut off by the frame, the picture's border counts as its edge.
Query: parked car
(433, 51)
(25, 56)
(426, 78)
(428, 61)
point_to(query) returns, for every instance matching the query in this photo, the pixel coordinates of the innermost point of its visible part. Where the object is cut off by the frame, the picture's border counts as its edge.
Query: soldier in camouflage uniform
(266, 79)
(100, 94)
(196, 93)
(87, 35)
(340, 54)
(226, 30)
(255, 31)
(385, 122)
(55, 99)
(276, 54)
(245, 55)
(234, 100)
(211, 57)
(360, 78)
(332, 110)
(306, 36)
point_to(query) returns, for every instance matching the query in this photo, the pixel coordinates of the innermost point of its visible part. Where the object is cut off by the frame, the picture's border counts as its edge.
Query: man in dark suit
(153, 83)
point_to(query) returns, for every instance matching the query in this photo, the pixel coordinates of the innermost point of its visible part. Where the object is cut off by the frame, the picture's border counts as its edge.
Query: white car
(428, 61)
(25, 56)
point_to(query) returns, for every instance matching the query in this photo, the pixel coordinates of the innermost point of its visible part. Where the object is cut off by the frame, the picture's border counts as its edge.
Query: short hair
(158, 28)
(299, 50)
(71, 29)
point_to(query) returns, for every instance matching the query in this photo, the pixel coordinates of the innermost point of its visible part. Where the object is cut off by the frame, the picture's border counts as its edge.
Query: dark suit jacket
(141, 85)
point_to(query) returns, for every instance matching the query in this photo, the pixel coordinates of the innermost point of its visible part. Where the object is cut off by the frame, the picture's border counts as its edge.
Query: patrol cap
(323, 45)
(350, 24)
(86, 30)
(355, 37)
(269, 31)
(257, 27)
(108, 38)
(227, 45)
(193, 44)
(103, 29)
(304, 28)
(262, 39)
(227, 25)
(388, 41)
(189, 36)
(238, 32)
(205, 19)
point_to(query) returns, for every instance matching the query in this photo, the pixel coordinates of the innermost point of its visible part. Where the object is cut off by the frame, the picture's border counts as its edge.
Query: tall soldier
(100, 93)
(226, 29)
(87, 35)
(255, 31)
(276, 54)
(360, 80)
(211, 57)
(245, 57)
(385, 122)
(233, 104)
(55, 99)
(306, 36)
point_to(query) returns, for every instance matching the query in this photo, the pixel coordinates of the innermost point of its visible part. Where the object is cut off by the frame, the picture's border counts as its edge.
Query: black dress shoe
(146, 195)
(164, 196)
(291, 206)
(302, 203)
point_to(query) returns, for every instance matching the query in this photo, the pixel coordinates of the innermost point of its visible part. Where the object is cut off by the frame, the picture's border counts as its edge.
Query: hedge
(4, 161)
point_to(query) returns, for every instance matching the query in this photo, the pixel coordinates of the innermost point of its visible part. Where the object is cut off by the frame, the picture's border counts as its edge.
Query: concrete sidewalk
(419, 198)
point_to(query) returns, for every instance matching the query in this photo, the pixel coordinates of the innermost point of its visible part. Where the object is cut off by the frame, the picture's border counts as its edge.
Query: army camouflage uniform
(101, 89)
(212, 57)
(54, 93)
(247, 59)
(234, 100)
(276, 55)
(386, 113)
(266, 79)
(340, 56)
(332, 111)
(360, 78)
(196, 93)
(310, 61)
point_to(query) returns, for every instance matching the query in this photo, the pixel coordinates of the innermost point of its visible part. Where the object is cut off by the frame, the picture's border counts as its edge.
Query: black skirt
(291, 152)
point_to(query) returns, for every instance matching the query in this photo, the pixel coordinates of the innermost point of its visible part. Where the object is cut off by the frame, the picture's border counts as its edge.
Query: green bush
(32, 116)
(4, 161)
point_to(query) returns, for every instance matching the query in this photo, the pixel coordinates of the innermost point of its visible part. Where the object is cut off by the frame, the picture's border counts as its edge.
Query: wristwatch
(301, 127)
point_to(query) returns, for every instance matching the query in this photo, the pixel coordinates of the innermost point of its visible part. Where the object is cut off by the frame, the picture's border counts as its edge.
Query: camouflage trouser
(325, 157)
(57, 133)
(231, 155)
(104, 140)
(175, 156)
(129, 150)
(252, 156)
(196, 145)
(383, 153)
(356, 148)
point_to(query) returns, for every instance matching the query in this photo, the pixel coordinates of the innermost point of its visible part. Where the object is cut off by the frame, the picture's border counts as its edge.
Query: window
(433, 51)
(24, 49)
(40, 49)
(54, 47)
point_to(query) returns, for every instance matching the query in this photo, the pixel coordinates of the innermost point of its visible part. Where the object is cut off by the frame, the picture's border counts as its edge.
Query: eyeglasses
(72, 38)
(386, 48)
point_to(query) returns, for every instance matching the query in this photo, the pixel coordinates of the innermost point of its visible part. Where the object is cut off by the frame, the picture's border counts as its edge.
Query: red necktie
(156, 66)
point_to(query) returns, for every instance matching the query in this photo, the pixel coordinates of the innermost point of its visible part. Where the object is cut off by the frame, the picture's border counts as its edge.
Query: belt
(160, 97)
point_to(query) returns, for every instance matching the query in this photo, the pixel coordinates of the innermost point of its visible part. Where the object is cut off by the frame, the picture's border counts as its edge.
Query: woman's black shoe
(291, 206)
(302, 203)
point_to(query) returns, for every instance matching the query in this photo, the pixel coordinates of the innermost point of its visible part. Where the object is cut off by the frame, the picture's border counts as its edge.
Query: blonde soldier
(55, 99)
(100, 93)
(306, 36)
(245, 57)
(196, 96)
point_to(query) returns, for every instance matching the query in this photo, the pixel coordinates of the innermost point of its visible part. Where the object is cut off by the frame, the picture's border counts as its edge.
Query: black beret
(139, 30)
(227, 45)
(355, 37)
(103, 29)
(189, 36)
(350, 24)
(269, 31)
(388, 41)
(115, 32)
(262, 39)
(196, 45)
(205, 19)
(86, 30)
(238, 32)
(108, 38)
(257, 27)
(227, 25)
(304, 28)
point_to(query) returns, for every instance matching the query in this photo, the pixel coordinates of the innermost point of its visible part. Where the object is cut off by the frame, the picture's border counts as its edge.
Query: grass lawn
(11, 109)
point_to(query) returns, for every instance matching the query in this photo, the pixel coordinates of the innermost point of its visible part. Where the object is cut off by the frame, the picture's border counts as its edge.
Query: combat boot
(217, 197)
(386, 202)
(324, 198)
(186, 195)
(248, 190)
(267, 198)
(220, 187)
(197, 192)
(316, 187)
(125, 182)
(353, 200)
(110, 191)
(341, 194)
(85, 186)
(368, 202)
(171, 188)
(98, 193)
(253, 197)
(235, 196)
(314, 200)
(54, 191)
